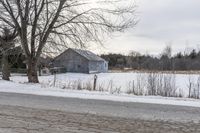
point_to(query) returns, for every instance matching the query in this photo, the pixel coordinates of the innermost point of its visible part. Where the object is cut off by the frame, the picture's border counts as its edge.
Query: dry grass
(154, 71)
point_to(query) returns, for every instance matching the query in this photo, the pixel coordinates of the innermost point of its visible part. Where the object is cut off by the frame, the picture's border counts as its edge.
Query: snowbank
(38, 89)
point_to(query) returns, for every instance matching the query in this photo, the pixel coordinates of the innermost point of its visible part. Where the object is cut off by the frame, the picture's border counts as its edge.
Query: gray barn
(80, 61)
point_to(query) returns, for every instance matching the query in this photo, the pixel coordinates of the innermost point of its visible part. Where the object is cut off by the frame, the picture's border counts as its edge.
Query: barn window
(79, 66)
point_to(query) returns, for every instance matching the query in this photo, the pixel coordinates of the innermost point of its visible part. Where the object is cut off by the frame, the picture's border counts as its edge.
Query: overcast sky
(161, 22)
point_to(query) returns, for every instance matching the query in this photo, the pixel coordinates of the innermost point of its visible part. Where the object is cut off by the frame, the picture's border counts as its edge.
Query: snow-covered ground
(37, 89)
(113, 82)
(107, 84)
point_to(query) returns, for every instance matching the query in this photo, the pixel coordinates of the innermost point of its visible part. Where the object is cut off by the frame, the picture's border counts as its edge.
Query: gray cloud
(161, 21)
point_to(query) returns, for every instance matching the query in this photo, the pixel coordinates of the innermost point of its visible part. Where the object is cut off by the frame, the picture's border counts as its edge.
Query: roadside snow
(37, 89)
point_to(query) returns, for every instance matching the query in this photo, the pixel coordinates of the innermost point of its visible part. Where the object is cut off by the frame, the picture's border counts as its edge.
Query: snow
(121, 81)
(45, 88)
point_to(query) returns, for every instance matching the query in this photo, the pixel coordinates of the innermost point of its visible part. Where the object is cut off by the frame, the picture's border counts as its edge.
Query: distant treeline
(165, 62)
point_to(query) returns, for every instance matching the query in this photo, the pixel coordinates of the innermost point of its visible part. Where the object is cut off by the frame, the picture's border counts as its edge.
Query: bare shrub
(152, 83)
(79, 85)
(101, 87)
(73, 85)
(162, 84)
(169, 88)
(198, 87)
(88, 86)
(180, 93)
(110, 86)
(117, 90)
(194, 88)
(69, 85)
(190, 85)
(131, 87)
(140, 84)
(129, 91)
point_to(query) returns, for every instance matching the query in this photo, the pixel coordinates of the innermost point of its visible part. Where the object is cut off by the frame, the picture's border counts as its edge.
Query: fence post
(190, 88)
(95, 82)
(198, 90)
(54, 82)
(133, 87)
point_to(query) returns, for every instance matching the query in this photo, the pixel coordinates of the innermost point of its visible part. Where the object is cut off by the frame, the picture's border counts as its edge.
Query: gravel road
(21, 113)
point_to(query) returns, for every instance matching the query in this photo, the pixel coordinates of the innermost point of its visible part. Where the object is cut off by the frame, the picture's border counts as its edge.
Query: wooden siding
(74, 62)
(97, 66)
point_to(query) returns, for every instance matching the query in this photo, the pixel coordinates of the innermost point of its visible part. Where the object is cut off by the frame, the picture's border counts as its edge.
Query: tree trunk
(5, 67)
(32, 71)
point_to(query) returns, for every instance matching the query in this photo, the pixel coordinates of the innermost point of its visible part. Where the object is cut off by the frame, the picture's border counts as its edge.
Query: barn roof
(88, 55)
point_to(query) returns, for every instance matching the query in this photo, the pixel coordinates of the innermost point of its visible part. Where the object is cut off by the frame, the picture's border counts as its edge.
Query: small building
(80, 61)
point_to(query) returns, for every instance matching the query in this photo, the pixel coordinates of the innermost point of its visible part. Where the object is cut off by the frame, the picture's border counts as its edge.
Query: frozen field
(119, 82)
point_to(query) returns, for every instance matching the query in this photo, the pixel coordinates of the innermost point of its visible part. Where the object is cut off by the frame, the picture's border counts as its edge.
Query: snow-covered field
(114, 82)
(110, 86)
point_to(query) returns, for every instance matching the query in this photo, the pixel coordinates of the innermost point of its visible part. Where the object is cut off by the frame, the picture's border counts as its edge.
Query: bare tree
(55, 24)
(7, 42)
(133, 59)
(167, 51)
(166, 58)
(152, 83)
